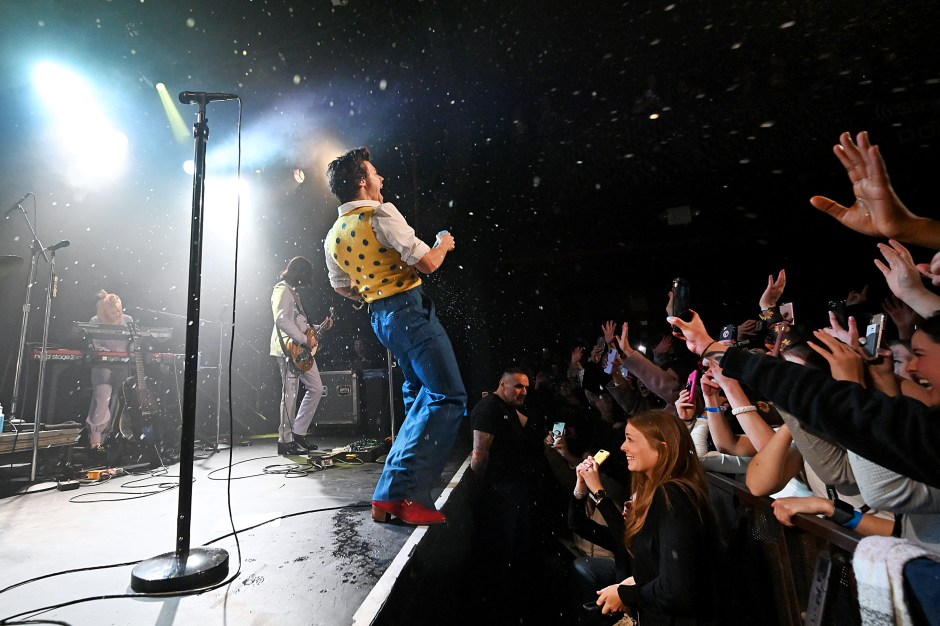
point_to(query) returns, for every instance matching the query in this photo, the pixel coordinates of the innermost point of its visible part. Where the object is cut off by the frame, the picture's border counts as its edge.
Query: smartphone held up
(680, 303)
(873, 334)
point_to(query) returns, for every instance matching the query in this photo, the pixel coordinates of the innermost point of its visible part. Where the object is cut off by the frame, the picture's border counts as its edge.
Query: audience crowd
(608, 454)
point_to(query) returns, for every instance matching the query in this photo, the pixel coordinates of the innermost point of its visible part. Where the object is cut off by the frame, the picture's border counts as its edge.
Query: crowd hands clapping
(823, 420)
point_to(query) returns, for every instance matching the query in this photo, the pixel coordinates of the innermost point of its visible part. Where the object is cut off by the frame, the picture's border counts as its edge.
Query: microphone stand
(37, 248)
(187, 569)
(43, 356)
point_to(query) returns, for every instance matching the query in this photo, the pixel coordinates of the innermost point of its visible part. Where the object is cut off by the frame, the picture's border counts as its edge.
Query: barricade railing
(781, 575)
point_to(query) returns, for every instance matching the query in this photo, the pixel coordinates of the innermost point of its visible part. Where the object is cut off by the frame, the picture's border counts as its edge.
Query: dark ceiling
(527, 128)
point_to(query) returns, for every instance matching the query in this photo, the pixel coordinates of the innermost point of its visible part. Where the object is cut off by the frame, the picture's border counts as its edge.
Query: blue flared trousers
(435, 398)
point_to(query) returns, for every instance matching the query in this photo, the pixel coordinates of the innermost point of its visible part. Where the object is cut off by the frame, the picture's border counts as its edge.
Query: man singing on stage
(372, 254)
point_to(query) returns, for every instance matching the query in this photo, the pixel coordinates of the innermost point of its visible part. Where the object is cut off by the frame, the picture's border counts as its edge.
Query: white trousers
(294, 420)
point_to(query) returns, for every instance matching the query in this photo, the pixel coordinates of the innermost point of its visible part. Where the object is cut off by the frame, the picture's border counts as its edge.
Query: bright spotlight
(91, 150)
(299, 176)
(181, 131)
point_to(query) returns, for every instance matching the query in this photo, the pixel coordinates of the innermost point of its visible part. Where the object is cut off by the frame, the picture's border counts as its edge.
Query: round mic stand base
(169, 572)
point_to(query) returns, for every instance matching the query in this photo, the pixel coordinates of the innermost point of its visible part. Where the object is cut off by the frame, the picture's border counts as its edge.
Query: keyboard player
(106, 378)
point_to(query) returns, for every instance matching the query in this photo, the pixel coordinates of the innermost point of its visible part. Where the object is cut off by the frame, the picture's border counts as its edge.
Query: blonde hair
(110, 308)
(677, 464)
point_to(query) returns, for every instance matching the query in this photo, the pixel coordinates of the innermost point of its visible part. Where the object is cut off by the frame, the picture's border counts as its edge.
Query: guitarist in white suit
(291, 324)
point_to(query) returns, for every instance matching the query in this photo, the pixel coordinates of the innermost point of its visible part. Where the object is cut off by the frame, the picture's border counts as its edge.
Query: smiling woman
(664, 543)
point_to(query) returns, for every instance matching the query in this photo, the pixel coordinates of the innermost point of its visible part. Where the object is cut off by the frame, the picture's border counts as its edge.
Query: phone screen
(873, 334)
(680, 302)
(611, 356)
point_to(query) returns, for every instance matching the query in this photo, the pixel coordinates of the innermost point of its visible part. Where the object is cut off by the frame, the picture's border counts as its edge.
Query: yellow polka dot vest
(378, 272)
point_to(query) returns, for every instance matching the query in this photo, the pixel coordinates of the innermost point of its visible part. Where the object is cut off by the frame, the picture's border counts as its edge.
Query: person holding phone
(898, 433)
(665, 541)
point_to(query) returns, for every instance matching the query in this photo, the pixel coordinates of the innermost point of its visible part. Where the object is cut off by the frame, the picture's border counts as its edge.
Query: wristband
(579, 494)
(771, 315)
(713, 409)
(744, 409)
(708, 346)
(852, 524)
(843, 513)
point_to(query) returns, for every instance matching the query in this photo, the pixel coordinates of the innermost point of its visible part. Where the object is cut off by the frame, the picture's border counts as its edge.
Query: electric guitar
(138, 402)
(301, 355)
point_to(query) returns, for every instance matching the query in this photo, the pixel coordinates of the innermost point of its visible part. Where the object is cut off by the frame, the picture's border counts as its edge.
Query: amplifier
(339, 405)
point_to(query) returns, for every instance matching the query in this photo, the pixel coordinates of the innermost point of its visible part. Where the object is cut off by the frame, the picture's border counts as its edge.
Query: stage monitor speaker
(339, 405)
(377, 422)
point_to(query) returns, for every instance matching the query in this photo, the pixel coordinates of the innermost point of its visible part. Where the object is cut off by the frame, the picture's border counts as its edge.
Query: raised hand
(684, 405)
(663, 347)
(576, 355)
(608, 329)
(877, 210)
(696, 337)
(774, 290)
(903, 316)
(904, 279)
(711, 389)
(625, 339)
(846, 363)
(848, 336)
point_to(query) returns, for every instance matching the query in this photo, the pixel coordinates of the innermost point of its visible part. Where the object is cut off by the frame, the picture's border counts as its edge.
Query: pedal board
(361, 451)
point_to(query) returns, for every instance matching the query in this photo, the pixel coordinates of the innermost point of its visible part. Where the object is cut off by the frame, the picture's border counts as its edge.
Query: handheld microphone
(192, 97)
(65, 243)
(17, 204)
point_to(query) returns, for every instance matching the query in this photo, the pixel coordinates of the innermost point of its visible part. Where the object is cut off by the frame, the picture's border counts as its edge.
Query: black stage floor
(308, 552)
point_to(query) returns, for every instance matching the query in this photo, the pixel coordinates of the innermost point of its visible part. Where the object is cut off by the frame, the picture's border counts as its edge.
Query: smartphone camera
(873, 334)
(838, 307)
(680, 302)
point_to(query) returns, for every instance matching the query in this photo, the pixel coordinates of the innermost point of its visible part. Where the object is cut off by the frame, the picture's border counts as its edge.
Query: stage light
(90, 150)
(181, 131)
(223, 196)
(299, 176)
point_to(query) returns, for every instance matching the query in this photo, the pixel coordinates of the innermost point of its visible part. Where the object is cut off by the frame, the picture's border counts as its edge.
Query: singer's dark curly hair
(345, 172)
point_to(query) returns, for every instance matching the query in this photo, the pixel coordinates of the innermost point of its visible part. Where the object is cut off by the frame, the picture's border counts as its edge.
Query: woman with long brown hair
(664, 543)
